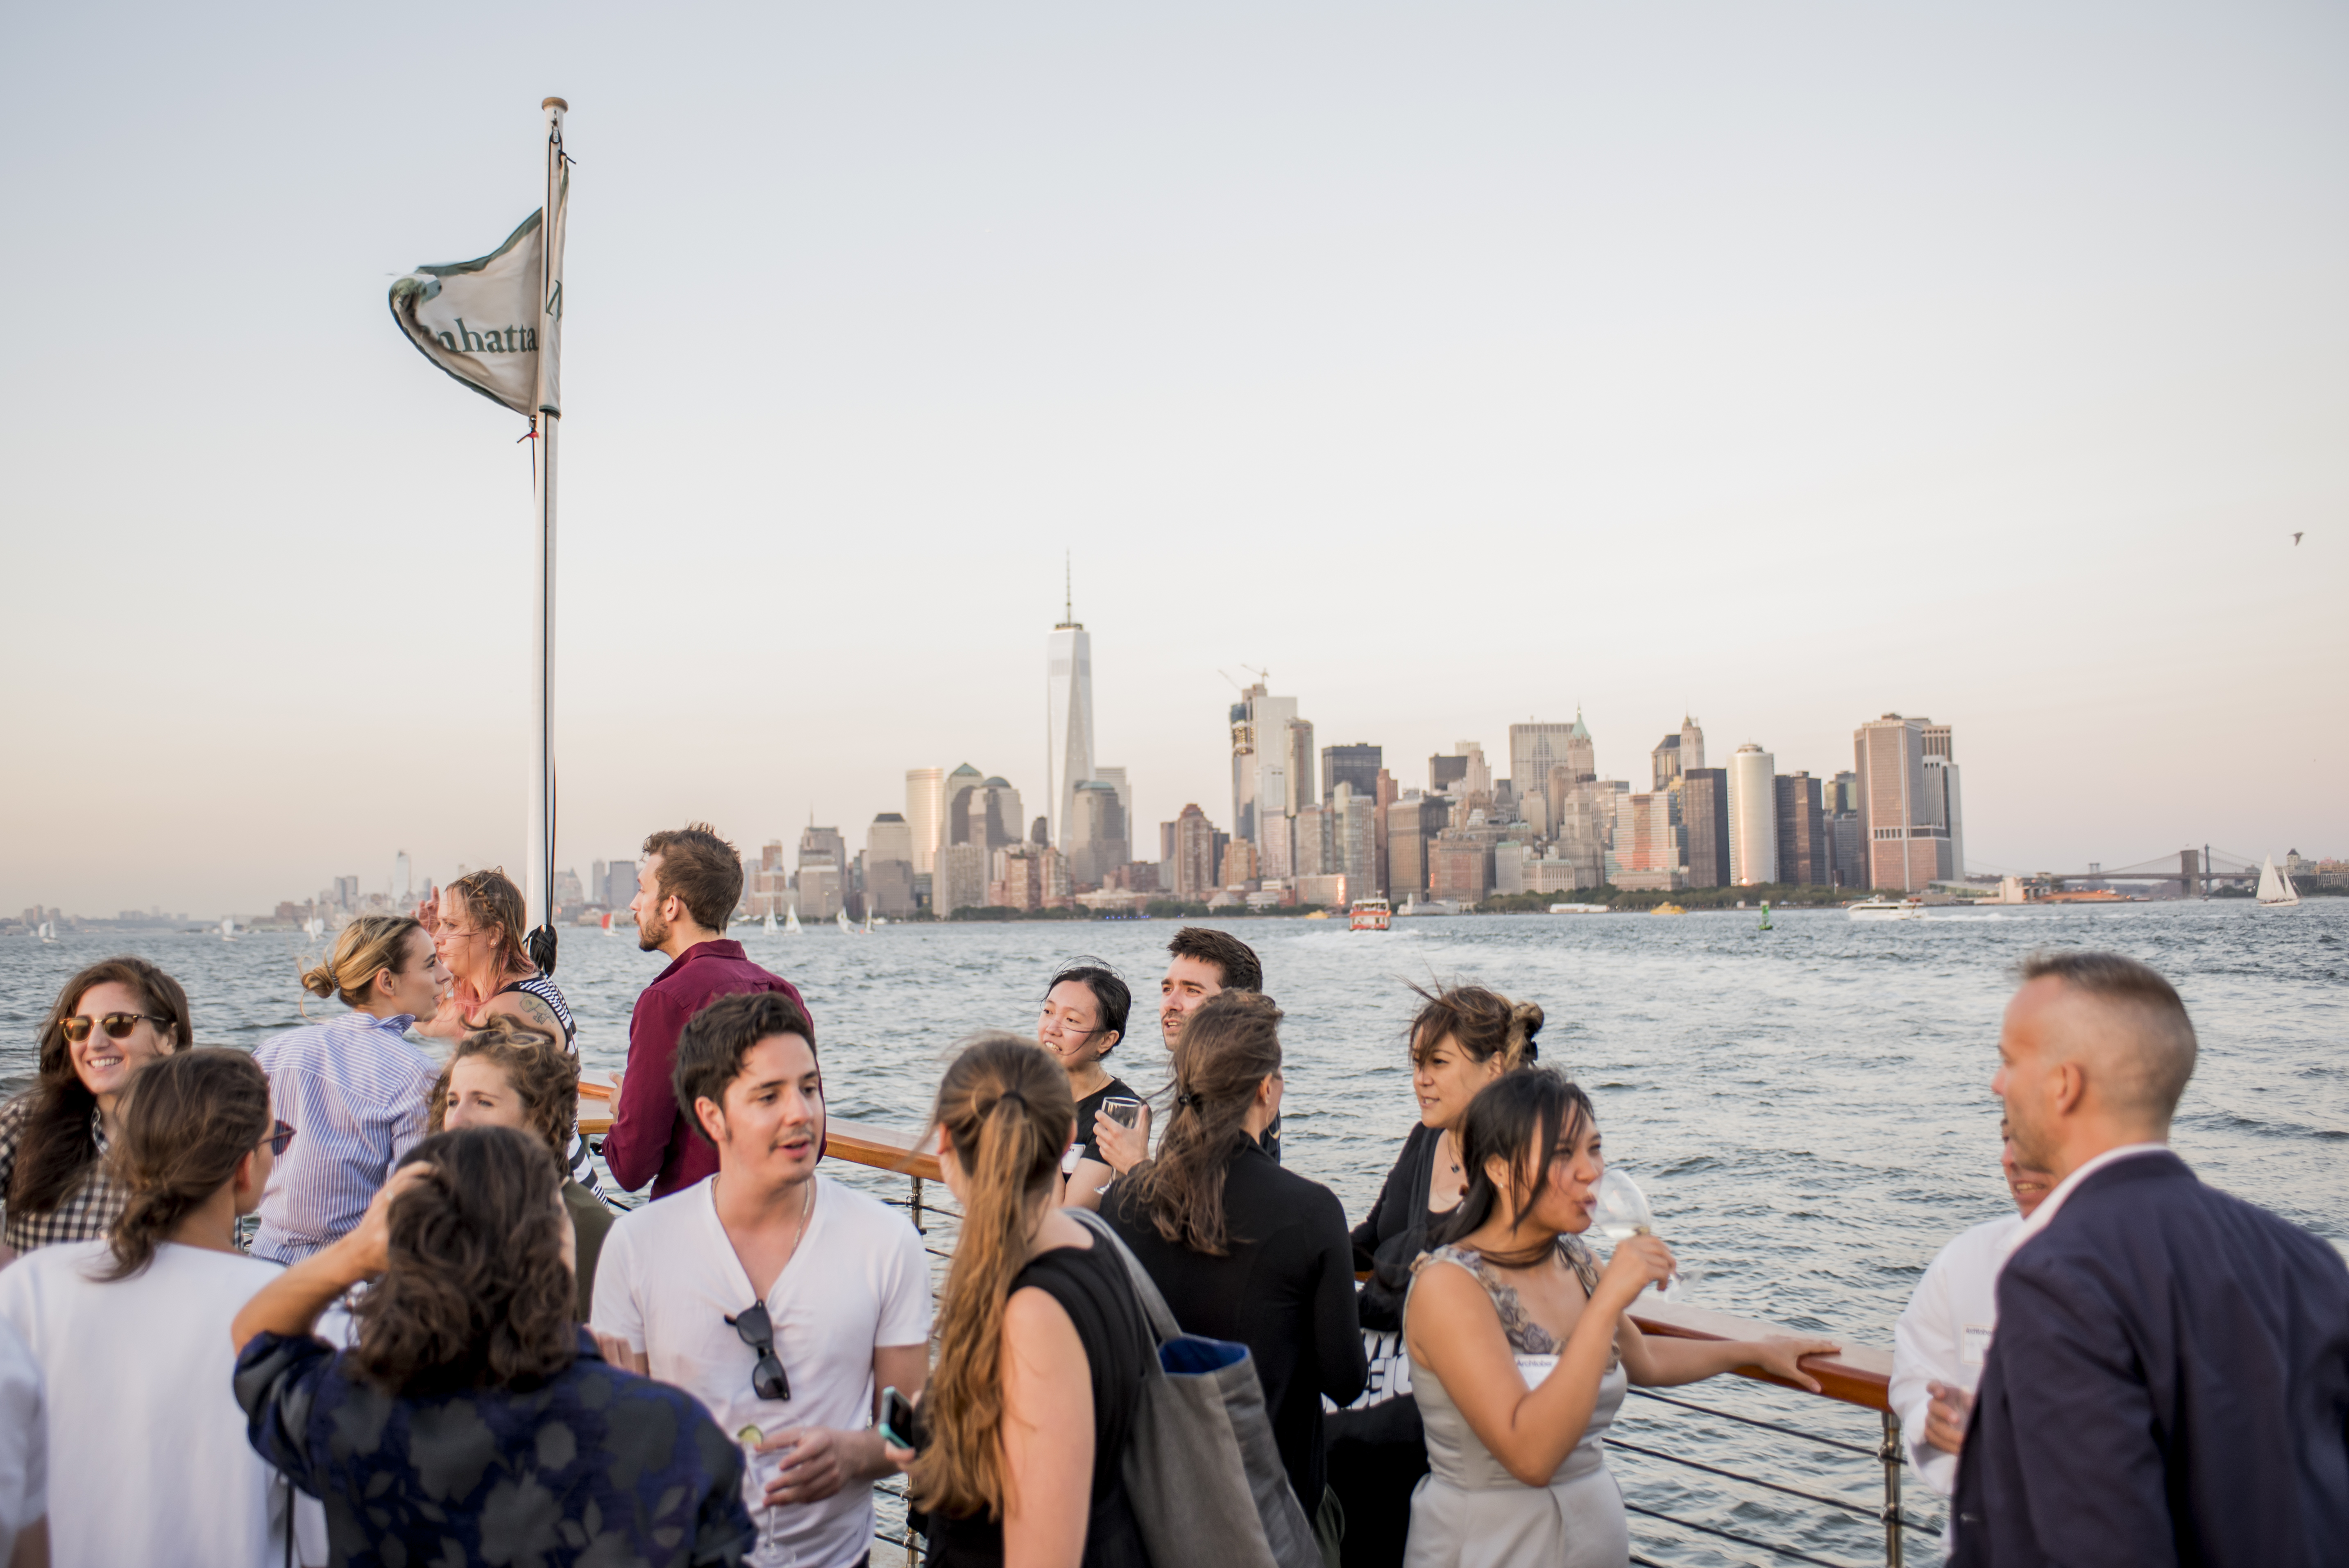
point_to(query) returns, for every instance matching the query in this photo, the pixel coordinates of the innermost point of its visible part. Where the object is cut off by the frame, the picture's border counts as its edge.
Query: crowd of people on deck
(354, 1299)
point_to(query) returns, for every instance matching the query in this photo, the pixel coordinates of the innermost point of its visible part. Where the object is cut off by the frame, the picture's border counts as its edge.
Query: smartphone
(901, 1424)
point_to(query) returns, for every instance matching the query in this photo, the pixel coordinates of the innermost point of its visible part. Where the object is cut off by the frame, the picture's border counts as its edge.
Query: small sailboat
(313, 928)
(1765, 916)
(606, 922)
(49, 931)
(792, 920)
(839, 918)
(2275, 888)
(228, 928)
(768, 925)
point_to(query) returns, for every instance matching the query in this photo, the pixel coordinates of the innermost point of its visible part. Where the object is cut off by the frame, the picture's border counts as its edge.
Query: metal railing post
(919, 1229)
(1890, 1454)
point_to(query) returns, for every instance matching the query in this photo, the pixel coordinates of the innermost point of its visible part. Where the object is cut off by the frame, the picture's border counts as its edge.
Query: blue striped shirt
(355, 1093)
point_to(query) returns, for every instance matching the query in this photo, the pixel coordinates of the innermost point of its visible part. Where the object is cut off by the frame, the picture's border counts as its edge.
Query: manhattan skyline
(1787, 369)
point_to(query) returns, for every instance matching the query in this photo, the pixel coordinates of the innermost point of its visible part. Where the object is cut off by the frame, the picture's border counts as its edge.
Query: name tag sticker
(1534, 1368)
(1973, 1344)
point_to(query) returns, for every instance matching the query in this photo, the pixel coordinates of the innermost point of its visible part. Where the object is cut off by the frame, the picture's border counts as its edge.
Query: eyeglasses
(280, 1135)
(767, 1378)
(118, 1025)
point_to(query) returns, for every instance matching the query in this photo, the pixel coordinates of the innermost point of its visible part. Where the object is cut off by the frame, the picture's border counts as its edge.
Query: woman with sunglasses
(507, 1076)
(109, 1021)
(146, 1454)
(1084, 1018)
(355, 1085)
(493, 1432)
(476, 926)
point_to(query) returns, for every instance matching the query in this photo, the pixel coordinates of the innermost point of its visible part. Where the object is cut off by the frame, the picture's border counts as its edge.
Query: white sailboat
(228, 928)
(2275, 888)
(839, 918)
(791, 920)
(313, 928)
(769, 924)
(49, 931)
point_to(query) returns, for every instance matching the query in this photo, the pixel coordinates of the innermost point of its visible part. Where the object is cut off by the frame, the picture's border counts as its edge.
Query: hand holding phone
(901, 1425)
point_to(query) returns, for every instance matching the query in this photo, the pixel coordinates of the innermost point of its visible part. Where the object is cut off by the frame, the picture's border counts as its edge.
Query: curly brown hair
(543, 1075)
(475, 1293)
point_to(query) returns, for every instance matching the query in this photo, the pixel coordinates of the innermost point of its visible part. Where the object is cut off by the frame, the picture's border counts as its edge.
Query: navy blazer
(2169, 1384)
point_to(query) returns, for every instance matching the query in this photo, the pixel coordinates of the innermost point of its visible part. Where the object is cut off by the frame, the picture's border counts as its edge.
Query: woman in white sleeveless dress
(1520, 1349)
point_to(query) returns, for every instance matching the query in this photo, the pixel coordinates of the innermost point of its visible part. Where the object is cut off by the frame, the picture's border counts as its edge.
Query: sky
(1784, 366)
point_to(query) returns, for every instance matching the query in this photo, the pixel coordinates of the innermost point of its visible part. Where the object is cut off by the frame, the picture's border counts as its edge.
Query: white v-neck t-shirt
(148, 1461)
(668, 1279)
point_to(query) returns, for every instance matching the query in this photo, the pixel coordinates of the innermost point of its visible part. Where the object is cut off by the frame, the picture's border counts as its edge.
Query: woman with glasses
(1084, 1018)
(145, 1453)
(476, 926)
(353, 1085)
(507, 1076)
(111, 1020)
(493, 1432)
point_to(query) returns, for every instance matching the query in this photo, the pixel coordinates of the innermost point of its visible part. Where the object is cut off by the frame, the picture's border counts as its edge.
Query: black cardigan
(1284, 1288)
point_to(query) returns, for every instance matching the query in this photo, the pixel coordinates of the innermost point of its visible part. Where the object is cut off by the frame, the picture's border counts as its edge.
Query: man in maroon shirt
(686, 893)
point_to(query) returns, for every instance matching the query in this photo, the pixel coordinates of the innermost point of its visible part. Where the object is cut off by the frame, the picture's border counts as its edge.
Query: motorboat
(2275, 888)
(1887, 909)
(1369, 915)
(1581, 909)
(1668, 909)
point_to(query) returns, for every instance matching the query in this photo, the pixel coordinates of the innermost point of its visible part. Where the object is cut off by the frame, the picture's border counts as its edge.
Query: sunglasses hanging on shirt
(768, 1379)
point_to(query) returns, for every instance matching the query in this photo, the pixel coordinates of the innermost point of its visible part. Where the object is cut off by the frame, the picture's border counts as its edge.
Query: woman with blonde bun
(353, 1085)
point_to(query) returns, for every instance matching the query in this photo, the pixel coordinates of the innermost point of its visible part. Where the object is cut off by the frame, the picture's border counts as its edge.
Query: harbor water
(1809, 1108)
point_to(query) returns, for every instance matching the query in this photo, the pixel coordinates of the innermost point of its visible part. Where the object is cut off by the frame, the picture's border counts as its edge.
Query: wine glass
(1621, 1211)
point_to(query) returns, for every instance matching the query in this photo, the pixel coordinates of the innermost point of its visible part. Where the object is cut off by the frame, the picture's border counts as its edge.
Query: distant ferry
(1581, 909)
(1371, 914)
(1887, 909)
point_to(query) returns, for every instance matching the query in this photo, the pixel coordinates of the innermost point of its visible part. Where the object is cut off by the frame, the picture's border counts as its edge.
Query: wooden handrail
(1855, 1375)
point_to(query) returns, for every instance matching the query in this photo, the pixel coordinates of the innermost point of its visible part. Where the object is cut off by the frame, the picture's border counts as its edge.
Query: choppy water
(1809, 1108)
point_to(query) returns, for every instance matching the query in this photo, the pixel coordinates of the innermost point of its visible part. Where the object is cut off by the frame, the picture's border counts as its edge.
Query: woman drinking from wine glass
(1084, 1018)
(1521, 1348)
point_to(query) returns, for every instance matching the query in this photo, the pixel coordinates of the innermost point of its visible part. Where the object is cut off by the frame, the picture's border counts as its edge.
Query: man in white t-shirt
(23, 1451)
(781, 1299)
(1944, 1332)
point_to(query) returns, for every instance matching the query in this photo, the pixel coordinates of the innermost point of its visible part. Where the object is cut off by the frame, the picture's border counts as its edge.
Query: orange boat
(1371, 914)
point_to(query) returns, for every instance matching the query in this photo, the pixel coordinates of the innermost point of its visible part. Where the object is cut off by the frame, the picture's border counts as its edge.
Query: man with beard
(686, 891)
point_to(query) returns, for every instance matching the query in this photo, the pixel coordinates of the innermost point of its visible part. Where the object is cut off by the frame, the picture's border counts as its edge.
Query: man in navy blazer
(2168, 1382)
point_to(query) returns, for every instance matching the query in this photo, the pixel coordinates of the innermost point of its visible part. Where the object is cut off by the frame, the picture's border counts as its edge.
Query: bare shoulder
(532, 1010)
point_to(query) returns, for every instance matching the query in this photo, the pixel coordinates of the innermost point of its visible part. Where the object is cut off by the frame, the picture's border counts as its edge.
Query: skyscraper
(1194, 855)
(1753, 817)
(1941, 793)
(926, 815)
(1115, 778)
(1300, 765)
(1097, 827)
(1692, 744)
(889, 865)
(1357, 765)
(1650, 852)
(1267, 740)
(1704, 814)
(1533, 750)
(1664, 761)
(403, 882)
(1901, 821)
(1803, 847)
(1067, 718)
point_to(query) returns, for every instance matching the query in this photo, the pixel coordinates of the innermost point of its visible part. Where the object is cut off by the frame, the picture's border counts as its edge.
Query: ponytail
(1007, 1110)
(363, 950)
(189, 1121)
(1227, 1048)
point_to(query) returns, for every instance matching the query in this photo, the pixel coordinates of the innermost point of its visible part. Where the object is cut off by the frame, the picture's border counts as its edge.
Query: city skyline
(1691, 400)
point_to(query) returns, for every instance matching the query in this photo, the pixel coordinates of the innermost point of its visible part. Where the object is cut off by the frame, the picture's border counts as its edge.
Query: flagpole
(539, 890)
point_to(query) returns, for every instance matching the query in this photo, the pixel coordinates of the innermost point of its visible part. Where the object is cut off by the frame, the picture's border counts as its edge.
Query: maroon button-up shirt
(652, 1137)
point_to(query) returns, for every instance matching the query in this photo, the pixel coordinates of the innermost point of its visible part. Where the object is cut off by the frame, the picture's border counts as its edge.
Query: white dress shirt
(1944, 1334)
(2044, 1214)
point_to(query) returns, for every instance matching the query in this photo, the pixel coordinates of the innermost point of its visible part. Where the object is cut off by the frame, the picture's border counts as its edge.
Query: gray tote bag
(1203, 1472)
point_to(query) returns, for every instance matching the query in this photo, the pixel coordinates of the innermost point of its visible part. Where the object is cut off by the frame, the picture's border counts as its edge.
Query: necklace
(1453, 1159)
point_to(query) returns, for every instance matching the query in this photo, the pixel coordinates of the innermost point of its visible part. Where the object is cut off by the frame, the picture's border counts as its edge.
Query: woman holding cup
(1084, 1019)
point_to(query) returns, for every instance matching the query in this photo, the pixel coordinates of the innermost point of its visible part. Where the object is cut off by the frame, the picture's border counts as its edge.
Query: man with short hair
(1201, 962)
(2169, 1381)
(781, 1299)
(686, 893)
(1945, 1331)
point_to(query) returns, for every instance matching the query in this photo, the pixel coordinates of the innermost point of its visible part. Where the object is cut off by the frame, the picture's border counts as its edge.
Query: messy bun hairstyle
(363, 950)
(1481, 1021)
(1005, 1109)
(189, 1121)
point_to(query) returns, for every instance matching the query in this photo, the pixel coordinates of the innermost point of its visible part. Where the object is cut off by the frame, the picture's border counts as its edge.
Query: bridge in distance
(2195, 872)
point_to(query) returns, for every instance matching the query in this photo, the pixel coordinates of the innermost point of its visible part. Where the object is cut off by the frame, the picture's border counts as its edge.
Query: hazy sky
(1460, 364)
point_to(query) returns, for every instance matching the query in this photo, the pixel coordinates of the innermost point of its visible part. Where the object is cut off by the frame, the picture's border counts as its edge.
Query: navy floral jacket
(593, 1467)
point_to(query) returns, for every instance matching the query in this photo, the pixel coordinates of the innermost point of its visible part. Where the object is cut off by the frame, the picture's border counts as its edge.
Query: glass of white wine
(1622, 1212)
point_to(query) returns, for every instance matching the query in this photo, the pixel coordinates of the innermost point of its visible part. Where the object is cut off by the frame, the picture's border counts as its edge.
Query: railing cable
(1741, 1540)
(1767, 1425)
(1864, 1510)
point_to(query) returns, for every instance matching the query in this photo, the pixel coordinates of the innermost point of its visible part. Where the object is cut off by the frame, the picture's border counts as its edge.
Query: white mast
(538, 891)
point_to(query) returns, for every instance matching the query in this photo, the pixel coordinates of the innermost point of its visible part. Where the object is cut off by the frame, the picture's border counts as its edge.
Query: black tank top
(1092, 1287)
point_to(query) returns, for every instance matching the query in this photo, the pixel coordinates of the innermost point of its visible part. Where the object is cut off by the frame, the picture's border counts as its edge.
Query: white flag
(478, 320)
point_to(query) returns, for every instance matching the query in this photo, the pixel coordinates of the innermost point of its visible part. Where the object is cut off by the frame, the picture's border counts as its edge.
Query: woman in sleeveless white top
(1521, 1350)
